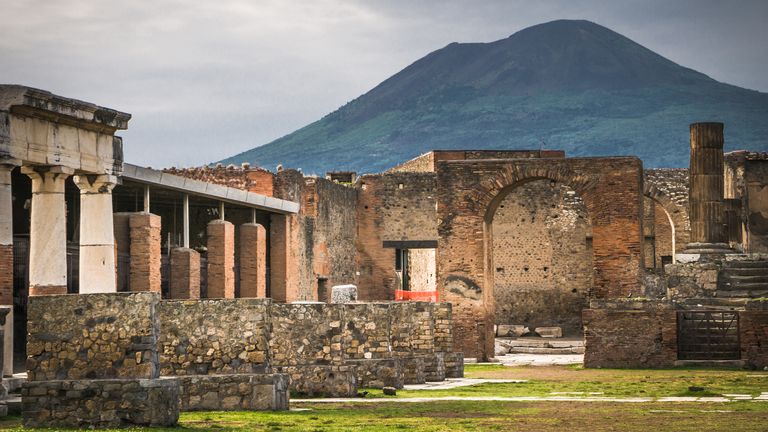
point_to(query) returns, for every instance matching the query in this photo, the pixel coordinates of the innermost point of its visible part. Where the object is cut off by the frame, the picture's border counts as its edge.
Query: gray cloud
(205, 80)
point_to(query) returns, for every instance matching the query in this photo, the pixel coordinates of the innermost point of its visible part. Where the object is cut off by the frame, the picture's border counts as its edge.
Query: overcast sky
(207, 79)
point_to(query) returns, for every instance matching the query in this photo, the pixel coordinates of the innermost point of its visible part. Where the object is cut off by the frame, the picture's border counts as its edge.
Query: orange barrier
(430, 296)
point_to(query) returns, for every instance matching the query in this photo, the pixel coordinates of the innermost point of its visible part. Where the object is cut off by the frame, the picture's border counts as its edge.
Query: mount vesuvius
(569, 85)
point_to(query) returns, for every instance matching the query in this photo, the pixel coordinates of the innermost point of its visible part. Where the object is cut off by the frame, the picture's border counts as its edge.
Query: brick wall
(753, 336)
(255, 180)
(320, 239)
(468, 191)
(394, 207)
(668, 190)
(641, 335)
(221, 259)
(145, 252)
(6, 274)
(542, 262)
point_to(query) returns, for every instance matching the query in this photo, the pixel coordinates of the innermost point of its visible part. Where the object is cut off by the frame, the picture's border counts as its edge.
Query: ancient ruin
(133, 293)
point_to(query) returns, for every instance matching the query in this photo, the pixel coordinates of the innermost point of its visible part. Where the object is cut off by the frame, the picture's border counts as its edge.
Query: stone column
(221, 259)
(6, 260)
(185, 274)
(253, 260)
(706, 189)
(48, 230)
(97, 237)
(145, 252)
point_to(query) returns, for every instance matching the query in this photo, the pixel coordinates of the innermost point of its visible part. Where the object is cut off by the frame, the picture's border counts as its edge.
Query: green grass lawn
(524, 416)
(543, 381)
(491, 416)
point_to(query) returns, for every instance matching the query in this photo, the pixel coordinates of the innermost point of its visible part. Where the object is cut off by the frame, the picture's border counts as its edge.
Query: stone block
(378, 373)
(549, 332)
(507, 330)
(343, 294)
(234, 392)
(321, 380)
(100, 403)
(454, 365)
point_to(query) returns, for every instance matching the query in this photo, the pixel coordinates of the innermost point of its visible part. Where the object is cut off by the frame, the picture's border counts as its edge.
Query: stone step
(744, 286)
(711, 363)
(743, 293)
(542, 343)
(761, 264)
(524, 350)
(14, 405)
(745, 278)
(744, 271)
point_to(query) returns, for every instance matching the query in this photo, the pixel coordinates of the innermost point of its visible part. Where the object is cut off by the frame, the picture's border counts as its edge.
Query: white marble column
(47, 230)
(6, 260)
(97, 235)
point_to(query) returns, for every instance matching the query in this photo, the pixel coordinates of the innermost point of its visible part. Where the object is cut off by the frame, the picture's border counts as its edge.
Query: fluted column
(707, 213)
(97, 235)
(48, 230)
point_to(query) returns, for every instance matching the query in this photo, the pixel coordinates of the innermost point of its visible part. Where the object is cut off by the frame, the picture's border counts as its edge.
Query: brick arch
(468, 190)
(677, 214)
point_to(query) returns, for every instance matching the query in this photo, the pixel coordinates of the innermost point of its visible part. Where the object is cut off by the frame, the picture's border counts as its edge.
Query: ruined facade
(631, 259)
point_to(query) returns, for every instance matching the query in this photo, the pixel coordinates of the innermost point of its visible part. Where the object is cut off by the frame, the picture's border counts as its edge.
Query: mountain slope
(570, 85)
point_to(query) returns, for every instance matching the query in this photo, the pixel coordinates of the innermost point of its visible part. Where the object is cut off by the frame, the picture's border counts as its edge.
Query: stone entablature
(38, 127)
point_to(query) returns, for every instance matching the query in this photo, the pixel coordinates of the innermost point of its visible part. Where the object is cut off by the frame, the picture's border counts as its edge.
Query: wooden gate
(708, 335)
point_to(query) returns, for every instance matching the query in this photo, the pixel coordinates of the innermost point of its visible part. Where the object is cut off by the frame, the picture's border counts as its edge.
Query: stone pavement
(450, 383)
(573, 398)
(540, 359)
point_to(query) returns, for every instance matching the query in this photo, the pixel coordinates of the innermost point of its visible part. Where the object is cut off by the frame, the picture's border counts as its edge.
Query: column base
(47, 290)
(704, 252)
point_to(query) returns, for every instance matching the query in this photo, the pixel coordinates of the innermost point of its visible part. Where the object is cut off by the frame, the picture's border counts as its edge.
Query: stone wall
(217, 336)
(328, 349)
(635, 334)
(542, 257)
(391, 207)
(92, 336)
(92, 362)
(691, 280)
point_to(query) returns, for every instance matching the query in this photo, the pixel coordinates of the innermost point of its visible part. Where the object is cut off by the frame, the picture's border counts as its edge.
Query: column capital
(47, 178)
(6, 166)
(95, 183)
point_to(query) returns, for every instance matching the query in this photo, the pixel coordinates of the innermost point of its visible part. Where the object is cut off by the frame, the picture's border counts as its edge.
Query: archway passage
(470, 192)
(542, 257)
